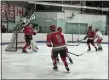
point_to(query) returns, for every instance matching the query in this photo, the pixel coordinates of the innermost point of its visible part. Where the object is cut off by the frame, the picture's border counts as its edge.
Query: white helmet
(24, 20)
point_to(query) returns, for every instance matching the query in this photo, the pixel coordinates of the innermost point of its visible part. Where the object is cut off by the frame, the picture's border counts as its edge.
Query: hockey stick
(77, 44)
(73, 45)
(80, 40)
(76, 54)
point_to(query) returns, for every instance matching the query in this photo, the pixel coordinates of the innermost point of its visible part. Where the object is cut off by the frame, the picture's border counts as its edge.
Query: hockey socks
(24, 48)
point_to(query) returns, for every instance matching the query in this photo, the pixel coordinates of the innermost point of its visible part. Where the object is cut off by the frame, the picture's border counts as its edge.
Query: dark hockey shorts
(28, 39)
(90, 41)
(62, 52)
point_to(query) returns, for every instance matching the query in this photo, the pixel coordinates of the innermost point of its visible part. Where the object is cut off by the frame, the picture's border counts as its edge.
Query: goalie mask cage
(17, 42)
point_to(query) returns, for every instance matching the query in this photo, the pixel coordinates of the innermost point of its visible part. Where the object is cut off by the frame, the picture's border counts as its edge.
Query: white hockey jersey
(99, 35)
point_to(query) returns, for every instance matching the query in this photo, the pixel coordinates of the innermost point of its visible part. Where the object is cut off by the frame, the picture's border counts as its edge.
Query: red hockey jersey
(56, 40)
(91, 34)
(28, 30)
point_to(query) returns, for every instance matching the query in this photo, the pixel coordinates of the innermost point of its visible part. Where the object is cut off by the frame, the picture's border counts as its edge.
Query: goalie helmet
(59, 29)
(52, 27)
(24, 20)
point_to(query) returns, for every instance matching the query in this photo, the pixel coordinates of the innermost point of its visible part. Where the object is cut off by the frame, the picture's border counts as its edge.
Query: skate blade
(34, 50)
(55, 69)
(24, 52)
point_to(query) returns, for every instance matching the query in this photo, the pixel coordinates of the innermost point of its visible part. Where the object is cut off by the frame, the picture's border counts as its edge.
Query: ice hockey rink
(75, 18)
(38, 65)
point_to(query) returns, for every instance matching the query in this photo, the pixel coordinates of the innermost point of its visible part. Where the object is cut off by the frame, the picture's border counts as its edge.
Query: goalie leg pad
(33, 44)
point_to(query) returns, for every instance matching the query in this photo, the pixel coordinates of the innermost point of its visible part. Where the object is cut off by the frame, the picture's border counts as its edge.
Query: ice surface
(38, 65)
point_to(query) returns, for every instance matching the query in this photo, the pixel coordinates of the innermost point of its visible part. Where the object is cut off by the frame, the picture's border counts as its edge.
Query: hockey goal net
(18, 38)
(16, 42)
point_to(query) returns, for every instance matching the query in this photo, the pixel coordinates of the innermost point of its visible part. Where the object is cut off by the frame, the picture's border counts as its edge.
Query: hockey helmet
(52, 27)
(96, 29)
(59, 29)
(90, 27)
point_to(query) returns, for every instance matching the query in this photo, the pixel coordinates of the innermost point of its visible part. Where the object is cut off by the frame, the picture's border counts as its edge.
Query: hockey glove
(34, 33)
(49, 44)
(85, 37)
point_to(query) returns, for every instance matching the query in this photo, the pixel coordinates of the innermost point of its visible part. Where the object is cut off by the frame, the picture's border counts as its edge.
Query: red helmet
(59, 29)
(96, 29)
(52, 27)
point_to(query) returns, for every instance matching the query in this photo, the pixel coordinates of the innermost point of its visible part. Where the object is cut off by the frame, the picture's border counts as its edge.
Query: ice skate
(35, 50)
(55, 68)
(24, 51)
(89, 50)
(29, 47)
(67, 68)
(96, 49)
(100, 48)
(70, 60)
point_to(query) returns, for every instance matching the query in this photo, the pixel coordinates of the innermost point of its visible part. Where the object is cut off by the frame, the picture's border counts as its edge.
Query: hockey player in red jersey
(68, 56)
(56, 40)
(91, 36)
(99, 37)
(28, 31)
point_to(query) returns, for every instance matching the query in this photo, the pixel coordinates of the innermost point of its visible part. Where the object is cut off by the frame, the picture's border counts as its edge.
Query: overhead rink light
(70, 6)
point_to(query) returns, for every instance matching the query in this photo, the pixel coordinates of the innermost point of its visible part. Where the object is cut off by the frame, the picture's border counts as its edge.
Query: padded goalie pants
(33, 45)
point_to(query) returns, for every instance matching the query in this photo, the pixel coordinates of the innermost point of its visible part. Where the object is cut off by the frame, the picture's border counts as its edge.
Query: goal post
(16, 42)
(17, 37)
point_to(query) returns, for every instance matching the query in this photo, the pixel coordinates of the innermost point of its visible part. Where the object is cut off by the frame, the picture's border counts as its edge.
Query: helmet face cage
(52, 27)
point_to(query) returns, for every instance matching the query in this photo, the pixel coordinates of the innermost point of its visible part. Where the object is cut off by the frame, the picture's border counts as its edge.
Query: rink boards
(41, 37)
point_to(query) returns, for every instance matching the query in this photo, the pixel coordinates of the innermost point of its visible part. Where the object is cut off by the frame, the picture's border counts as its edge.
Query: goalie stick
(76, 54)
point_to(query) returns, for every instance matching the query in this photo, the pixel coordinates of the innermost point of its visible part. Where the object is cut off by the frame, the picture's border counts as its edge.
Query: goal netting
(16, 40)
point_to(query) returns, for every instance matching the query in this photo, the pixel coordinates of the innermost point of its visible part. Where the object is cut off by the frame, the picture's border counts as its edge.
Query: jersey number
(59, 38)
